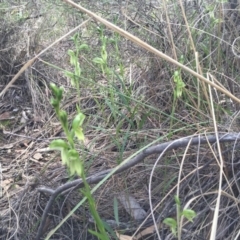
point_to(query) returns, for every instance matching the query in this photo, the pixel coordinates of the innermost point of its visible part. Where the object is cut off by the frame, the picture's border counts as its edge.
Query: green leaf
(59, 144)
(79, 133)
(172, 223)
(179, 83)
(112, 40)
(69, 74)
(60, 93)
(62, 146)
(63, 117)
(72, 134)
(104, 42)
(76, 125)
(78, 120)
(64, 156)
(75, 38)
(181, 59)
(104, 55)
(54, 88)
(99, 235)
(73, 154)
(84, 46)
(54, 103)
(177, 200)
(110, 230)
(72, 56)
(189, 214)
(73, 76)
(77, 70)
(74, 164)
(57, 92)
(176, 75)
(98, 60)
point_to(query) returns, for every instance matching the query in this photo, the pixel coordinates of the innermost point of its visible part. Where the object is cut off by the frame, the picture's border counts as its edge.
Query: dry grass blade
(216, 211)
(178, 188)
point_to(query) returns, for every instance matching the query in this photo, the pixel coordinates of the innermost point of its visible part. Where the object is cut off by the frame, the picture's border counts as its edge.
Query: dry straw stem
(151, 49)
(199, 70)
(30, 62)
(216, 210)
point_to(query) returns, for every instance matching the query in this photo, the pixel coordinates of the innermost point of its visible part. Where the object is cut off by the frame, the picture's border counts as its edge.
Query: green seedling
(69, 155)
(174, 225)
(74, 62)
(179, 86)
(103, 60)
